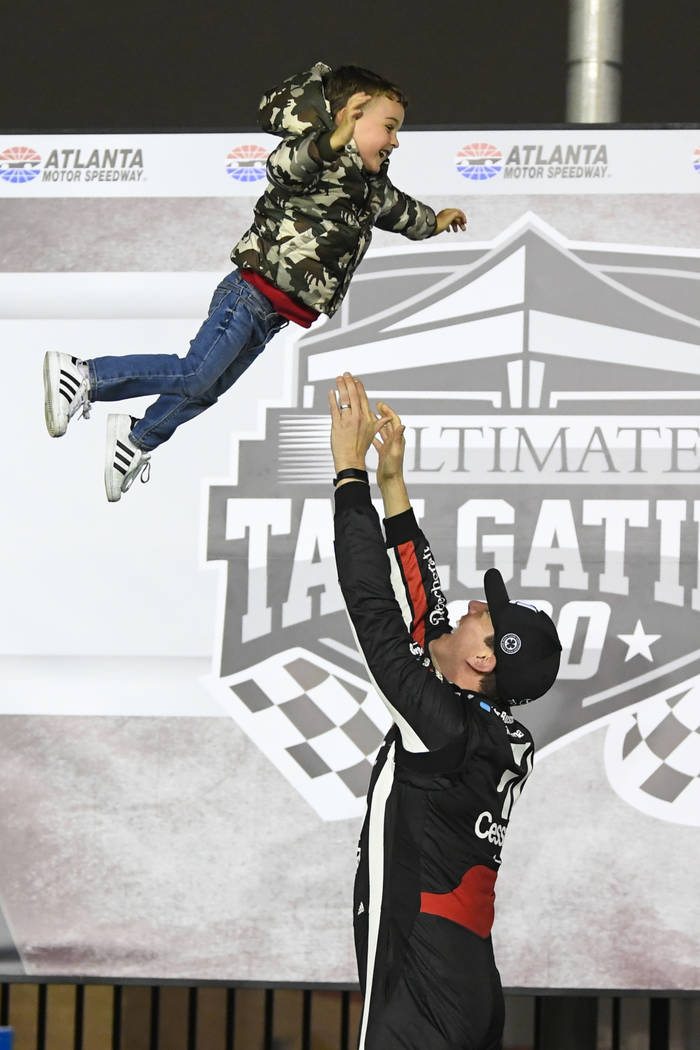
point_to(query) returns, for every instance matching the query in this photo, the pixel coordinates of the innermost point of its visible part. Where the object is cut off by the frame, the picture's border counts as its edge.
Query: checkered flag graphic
(318, 724)
(652, 756)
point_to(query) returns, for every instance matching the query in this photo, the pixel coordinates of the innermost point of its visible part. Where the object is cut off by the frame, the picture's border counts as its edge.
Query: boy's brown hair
(345, 81)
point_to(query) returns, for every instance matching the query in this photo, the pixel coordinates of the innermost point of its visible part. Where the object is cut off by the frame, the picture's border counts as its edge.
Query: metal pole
(594, 66)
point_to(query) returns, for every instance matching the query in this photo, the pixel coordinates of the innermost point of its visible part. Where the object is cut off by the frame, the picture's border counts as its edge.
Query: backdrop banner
(187, 727)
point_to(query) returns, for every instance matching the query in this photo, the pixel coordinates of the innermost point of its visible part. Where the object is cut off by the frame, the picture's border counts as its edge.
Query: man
(451, 766)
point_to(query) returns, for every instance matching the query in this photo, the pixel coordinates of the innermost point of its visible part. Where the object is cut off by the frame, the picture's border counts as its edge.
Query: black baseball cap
(526, 644)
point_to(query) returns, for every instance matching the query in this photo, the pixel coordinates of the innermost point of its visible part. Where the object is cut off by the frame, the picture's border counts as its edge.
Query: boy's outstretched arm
(415, 220)
(451, 219)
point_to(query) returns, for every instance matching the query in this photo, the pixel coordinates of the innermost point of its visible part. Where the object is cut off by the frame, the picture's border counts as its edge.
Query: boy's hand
(347, 117)
(451, 219)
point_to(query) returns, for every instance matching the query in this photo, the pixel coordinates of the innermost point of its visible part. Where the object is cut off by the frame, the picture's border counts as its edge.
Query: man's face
(377, 129)
(474, 632)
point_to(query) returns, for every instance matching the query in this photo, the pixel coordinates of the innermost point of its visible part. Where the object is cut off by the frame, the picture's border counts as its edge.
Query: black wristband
(351, 472)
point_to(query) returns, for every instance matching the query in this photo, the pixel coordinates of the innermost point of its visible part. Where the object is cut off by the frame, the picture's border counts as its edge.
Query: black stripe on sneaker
(122, 455)
(68, 377)
(125, 449)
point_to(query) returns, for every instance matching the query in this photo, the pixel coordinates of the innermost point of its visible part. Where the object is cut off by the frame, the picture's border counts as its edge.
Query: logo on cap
(510, 643)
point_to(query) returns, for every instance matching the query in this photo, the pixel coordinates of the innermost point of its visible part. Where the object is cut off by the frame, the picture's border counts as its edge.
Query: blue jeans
(241, 322)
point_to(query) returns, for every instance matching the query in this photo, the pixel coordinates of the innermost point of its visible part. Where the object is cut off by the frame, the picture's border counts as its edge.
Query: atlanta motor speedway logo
(247, 163)
(19, 164)
(534, 161)
(479, 161)
(549, 392)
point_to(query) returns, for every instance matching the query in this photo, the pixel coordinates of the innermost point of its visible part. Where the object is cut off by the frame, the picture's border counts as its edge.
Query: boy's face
(376, 131)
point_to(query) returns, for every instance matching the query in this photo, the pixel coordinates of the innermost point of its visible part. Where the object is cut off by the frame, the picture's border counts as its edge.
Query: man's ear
(483, 664)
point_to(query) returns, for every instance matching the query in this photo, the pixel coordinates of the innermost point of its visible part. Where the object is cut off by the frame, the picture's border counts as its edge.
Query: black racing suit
(439, 801)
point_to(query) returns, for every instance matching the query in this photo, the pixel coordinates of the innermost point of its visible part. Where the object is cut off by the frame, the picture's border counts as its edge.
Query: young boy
(328, 186)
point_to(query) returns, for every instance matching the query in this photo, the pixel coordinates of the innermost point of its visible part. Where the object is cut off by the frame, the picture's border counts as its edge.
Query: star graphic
(639, 643)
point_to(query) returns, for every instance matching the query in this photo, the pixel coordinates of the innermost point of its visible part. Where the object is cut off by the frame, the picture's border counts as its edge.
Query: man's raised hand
(390, 445)
(353, 424)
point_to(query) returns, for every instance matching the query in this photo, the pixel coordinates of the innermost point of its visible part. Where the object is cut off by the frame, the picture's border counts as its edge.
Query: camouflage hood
(297, 105)
(313, 224)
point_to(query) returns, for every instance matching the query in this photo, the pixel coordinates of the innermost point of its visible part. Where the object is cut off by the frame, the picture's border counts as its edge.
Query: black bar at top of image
(252, 129)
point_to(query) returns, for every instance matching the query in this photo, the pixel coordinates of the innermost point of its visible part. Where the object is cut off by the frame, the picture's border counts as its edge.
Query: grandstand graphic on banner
(549, 392)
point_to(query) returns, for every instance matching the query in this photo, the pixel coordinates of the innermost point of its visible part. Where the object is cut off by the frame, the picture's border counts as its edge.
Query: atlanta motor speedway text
(122, 164)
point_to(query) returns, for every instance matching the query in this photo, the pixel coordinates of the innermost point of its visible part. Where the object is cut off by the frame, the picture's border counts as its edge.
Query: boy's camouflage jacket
(314, 222)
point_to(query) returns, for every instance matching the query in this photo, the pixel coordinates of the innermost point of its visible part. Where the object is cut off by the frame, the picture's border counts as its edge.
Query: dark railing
(101, 1016)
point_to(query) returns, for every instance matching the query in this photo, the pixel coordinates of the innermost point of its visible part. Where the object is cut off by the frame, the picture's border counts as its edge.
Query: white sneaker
(123, 460)
(65, 391)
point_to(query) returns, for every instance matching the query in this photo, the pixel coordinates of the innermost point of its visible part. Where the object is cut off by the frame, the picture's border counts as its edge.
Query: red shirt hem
(283, 303)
